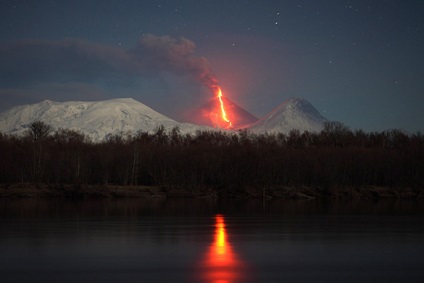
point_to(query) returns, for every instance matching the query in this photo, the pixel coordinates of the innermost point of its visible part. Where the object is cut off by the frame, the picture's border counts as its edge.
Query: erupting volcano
(220, 112)
(158, 54)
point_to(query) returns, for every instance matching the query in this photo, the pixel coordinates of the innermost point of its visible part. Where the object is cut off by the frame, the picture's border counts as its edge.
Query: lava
(224, 116)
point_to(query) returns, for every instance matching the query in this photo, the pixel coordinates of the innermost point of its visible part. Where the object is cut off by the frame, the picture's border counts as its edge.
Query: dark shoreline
(111, 191)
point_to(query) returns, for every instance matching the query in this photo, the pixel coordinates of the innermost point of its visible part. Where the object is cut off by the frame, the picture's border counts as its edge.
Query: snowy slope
(294, 113)
(96, 119)
(125, 115)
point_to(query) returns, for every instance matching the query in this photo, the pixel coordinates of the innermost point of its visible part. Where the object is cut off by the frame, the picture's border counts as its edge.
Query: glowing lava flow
(222, 107)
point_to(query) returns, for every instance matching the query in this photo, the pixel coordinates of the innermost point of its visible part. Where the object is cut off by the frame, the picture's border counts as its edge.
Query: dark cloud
(33, 61)
(165, 53)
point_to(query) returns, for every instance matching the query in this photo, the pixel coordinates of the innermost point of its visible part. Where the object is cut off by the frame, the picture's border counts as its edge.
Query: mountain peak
(293, 113)
(97, 119)
(100, 119)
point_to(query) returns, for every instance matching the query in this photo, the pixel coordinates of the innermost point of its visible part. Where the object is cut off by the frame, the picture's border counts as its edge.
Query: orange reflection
(221, 264)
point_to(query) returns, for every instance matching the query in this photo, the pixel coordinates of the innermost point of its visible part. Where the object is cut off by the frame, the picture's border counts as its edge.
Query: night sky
(359, 62)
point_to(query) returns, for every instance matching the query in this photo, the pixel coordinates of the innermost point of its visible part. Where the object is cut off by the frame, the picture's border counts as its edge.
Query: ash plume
(77, 60)
(165, 53)
(33, 70)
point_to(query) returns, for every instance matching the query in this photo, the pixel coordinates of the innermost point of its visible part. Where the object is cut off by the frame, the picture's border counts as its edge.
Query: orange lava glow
(222, 107)
(221, 264)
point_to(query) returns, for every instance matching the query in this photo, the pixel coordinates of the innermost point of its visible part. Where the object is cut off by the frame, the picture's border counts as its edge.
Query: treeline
(229, 163)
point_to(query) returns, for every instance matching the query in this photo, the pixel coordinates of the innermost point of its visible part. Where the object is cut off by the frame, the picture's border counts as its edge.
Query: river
(185, 240)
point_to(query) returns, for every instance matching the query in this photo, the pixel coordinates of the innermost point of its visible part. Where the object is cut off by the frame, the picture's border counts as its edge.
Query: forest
(226, 163)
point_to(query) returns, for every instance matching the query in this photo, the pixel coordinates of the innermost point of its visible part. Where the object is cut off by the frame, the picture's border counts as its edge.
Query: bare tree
(38, 131)
(336, 133)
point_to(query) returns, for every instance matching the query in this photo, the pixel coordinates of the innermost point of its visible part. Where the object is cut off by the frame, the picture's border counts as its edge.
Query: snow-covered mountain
(95, 119)
(100, 119)
(294, 113)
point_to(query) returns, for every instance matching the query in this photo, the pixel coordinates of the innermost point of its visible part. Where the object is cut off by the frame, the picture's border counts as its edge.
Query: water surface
(210, 241)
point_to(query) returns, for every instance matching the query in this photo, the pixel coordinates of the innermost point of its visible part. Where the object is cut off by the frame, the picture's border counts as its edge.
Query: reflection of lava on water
(221, 264)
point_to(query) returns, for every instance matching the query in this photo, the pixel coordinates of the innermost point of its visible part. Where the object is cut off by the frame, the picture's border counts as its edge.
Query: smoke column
(163, 53)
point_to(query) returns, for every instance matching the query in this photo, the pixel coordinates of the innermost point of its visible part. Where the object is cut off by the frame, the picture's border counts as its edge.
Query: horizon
(200, 123)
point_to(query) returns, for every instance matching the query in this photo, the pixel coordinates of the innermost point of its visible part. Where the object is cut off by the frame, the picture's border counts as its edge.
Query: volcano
(101, 119)
(293, 114)
(209, 115)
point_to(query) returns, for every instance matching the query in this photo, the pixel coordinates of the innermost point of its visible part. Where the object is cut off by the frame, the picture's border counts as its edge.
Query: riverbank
(110, 191)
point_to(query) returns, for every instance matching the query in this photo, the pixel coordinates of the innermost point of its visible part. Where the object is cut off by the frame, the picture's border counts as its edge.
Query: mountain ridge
(100, 119)
(97, 119)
